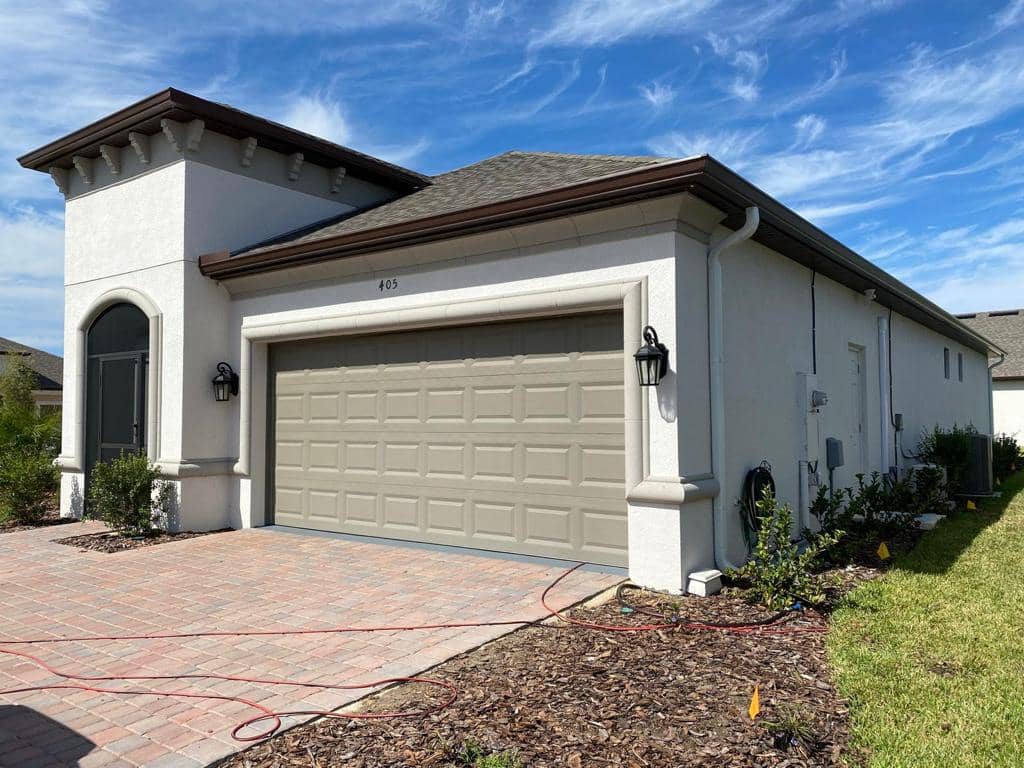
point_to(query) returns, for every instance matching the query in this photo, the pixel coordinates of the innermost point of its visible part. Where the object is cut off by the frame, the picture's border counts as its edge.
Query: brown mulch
(51, 517)
(567, 696)
(115, 542)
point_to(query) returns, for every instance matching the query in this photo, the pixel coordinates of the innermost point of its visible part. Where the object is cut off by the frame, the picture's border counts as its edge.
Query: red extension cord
(274, 718)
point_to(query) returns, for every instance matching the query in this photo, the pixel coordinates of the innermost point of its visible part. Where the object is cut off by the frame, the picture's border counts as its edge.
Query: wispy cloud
(808, 129)
(734, 148)
(319, 117)
(658, 95)
(1010, 15)
(603, 22)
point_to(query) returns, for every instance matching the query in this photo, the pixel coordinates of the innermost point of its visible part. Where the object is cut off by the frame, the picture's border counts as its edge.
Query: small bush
(474, 755)
(950, 449)
(27, 481)
(778, 573)
(1005, 456)
(121, 491)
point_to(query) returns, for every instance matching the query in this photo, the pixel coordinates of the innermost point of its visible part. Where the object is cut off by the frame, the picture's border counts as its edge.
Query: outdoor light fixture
(225, 383)
(651, 359)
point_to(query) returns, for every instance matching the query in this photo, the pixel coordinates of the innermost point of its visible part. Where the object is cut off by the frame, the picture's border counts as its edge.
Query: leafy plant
(828, 507)
(475, 755)
(950, 449)
(27, 481)
(1005, 456)
(28, 444)
(778, 572)
(792, 727)
(121, 494)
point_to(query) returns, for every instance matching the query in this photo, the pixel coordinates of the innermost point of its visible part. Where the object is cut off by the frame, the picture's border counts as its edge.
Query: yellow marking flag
(755, 704)
(883, 551)
(971, 506)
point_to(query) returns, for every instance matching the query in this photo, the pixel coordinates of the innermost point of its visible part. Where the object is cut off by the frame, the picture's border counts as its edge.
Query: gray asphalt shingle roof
(50, 368)
(503, 177)
(1005, 328)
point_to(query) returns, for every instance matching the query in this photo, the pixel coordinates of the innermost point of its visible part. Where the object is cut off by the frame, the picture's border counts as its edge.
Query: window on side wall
(945, 361)
(960, 366)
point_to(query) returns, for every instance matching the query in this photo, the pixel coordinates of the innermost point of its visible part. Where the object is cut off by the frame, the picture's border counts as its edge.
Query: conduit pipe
(716, 355)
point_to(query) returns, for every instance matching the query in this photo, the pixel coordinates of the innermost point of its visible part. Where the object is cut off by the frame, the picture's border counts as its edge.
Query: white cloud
(658, 95)
(1009, 16)
(602, 22)
(823, 213)
(318, 116)
(808, 129)
(750, 66)
(32, 244)
(734, 148)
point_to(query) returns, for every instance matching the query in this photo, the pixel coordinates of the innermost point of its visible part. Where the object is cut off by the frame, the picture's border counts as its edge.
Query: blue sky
(897, 126)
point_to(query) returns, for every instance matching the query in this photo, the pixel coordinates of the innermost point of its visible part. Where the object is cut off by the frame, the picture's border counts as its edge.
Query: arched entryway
(117, 354)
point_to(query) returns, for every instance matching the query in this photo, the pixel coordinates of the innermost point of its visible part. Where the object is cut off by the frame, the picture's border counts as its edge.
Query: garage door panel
(506, 437)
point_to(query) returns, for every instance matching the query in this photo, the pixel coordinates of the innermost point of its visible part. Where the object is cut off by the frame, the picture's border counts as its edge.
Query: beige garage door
(506, 437)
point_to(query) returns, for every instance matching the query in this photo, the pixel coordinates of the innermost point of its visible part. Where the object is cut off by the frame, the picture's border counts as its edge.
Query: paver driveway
(240, 580)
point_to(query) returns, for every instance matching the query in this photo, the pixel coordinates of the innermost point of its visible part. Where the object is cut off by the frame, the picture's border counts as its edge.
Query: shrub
(21, 424)
(778, 573)
(1005, 455)
(121, 494)
(950, 449)
(474, 755)
(27, 480)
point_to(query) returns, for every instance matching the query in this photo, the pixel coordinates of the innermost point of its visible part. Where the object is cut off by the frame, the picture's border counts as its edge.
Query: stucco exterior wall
(1008, 407)
(768, 342)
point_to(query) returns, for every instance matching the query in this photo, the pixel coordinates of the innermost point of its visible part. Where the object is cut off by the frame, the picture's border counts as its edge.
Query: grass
(931, 655)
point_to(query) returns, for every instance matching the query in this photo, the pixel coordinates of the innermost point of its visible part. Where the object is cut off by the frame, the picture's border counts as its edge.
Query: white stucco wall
(768, 342)
(1008, 407)
(145, 233)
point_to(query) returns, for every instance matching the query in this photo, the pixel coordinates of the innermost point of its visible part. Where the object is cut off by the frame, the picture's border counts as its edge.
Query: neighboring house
(449, 359)
(49, 370)
(1005, 328)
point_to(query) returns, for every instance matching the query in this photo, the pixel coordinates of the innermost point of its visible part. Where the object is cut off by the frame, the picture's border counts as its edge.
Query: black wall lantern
(225, 383)
(651, 359)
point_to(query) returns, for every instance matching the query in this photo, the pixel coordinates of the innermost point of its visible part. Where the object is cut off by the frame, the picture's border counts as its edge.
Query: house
(49, 370)
(450, 359)
(1005, 328)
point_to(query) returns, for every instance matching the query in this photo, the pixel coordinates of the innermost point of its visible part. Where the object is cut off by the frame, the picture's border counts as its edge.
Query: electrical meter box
(833, 452)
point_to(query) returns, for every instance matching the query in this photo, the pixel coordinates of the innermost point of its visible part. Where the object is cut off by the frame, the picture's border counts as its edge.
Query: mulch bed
(567, 696)
(50, 518)
(115, 542)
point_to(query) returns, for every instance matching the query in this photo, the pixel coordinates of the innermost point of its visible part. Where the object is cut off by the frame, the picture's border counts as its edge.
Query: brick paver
(240, 580)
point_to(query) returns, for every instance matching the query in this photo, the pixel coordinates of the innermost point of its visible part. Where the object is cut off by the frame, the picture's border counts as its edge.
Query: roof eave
(170, 101)
(781, 229)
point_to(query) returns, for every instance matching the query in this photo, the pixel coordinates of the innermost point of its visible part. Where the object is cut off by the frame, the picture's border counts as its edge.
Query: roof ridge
(549, 153)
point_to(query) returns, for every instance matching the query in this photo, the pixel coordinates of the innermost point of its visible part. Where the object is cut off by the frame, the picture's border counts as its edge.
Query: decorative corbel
(295, 165)
(248, 148)
(60, 178)
(173, 130)
(194, 134)
(112, 156)
(337, 176)
(140, 143)
(84, 167)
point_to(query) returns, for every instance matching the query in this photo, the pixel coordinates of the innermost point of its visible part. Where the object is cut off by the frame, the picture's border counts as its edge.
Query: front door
(122, 405)
(115, 412)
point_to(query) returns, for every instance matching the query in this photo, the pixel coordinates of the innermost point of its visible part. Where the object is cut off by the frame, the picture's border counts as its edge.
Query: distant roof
(145, 116)
(49, 368)
(502, 177)
(1006, 328)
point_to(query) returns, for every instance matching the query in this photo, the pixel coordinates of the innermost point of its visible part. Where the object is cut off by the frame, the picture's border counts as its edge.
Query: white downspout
(991, 404)
(883, 391)
(716, 355)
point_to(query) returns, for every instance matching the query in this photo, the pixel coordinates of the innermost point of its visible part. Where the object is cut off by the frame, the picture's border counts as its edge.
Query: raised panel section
(505, 436)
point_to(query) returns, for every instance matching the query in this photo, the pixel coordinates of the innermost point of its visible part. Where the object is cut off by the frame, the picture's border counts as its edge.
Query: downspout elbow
(716, 364)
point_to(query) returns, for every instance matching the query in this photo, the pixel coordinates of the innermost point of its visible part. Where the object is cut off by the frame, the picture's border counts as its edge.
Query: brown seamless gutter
(781, 230)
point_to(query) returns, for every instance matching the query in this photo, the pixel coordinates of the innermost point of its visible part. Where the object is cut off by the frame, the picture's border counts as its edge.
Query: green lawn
(931, 655)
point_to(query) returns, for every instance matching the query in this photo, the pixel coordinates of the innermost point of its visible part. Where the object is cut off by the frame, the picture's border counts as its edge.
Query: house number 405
(388, 285)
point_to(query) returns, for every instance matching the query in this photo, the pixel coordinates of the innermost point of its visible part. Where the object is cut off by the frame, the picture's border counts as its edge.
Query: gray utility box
(833, 452)
(978, 479)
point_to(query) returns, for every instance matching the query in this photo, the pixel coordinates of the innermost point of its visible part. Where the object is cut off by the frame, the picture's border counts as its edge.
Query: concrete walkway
(240, 580)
